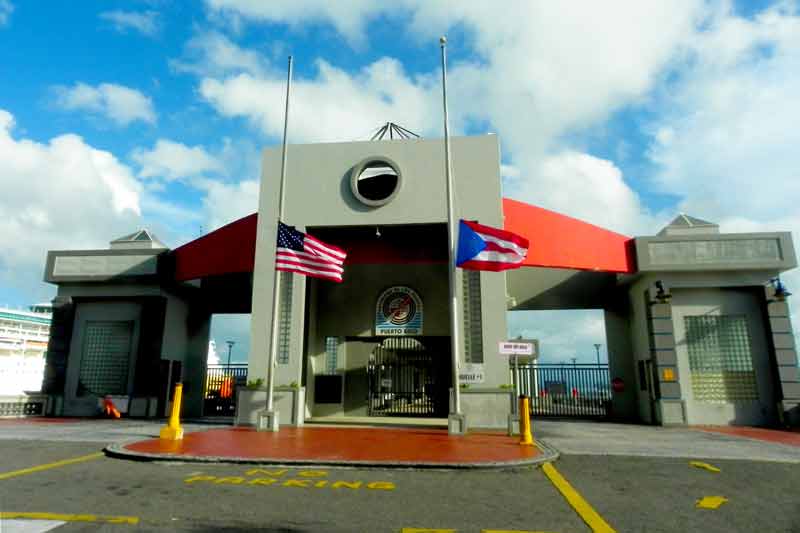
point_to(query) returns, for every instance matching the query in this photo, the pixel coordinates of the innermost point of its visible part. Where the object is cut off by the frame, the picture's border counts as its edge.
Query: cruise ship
(23, 343)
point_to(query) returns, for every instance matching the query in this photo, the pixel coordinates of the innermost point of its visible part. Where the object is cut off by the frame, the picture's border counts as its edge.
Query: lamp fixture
(377, 232)
(662, 296)
(779, 290)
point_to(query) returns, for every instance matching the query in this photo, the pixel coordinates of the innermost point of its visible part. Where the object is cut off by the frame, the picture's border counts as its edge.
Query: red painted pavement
(791, 437)
(40, 420)
(333, 444)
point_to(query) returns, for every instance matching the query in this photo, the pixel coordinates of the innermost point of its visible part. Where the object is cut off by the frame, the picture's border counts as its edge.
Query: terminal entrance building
(697, 323)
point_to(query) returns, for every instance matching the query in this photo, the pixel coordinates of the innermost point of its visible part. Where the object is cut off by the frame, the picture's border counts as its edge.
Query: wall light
(662, 296)
(780, 293)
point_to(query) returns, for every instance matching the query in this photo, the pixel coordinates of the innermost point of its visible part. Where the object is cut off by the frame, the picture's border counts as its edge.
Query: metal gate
(219, 397)
(565, 390)
(409, 376)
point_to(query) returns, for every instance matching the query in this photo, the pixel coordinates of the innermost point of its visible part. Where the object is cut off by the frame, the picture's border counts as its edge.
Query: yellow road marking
(72, 517)
(48, 466)
(509, 531)
(426, 530)
(704, 466)
(711, 502)
(581, 506)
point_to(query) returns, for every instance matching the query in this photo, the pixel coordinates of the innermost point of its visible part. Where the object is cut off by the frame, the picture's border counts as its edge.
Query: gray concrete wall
(183, 337)
(621, 363)
(716, 252)
(86, 404)
(716, 302)
(657, 335)
(324, 169)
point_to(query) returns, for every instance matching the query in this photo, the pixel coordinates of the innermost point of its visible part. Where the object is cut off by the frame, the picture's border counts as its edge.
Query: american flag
(301, 253)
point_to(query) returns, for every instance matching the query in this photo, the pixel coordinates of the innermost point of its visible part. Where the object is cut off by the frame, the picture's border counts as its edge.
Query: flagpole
(456, 420)
(270, 421)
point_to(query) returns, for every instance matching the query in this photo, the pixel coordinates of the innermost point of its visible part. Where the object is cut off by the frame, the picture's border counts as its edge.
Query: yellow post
(173, 429)
(525, 436)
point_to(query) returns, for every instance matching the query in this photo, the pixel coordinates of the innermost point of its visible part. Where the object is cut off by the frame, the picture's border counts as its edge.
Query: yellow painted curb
(71, 517)
(581, 506)
(48, 466)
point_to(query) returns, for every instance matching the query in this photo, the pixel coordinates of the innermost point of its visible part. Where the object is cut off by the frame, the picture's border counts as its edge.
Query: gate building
(697, 325)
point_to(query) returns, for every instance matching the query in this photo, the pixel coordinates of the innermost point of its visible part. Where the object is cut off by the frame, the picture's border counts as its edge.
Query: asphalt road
(630, 493)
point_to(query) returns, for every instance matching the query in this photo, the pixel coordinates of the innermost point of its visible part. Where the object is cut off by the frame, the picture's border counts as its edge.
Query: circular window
(375, 181)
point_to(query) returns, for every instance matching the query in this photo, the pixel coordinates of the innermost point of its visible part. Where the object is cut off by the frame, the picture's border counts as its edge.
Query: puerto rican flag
(484, 248)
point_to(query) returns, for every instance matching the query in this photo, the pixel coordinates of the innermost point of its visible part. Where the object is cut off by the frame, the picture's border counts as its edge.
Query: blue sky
(119, 115)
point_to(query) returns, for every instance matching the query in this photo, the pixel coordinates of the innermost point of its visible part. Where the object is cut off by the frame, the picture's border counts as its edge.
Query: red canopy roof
(557, 241)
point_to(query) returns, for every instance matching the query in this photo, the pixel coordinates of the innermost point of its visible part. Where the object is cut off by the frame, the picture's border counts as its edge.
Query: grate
(720, 359)
(106, 358)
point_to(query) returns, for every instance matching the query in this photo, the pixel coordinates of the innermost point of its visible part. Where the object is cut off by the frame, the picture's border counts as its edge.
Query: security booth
(697, 323)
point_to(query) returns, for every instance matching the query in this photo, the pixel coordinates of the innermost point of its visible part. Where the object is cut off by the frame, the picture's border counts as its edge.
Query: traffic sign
(520, 347)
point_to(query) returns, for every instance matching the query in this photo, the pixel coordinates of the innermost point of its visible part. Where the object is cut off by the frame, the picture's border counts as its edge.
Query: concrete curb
(119, 451)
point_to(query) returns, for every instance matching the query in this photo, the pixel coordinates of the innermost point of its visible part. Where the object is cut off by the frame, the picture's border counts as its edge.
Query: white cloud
(226, 202)
(347, 16)
(144, 22)
(59, 194)
(121, 104)
(6, 8)
(585, 187)
(213, 54)
(728, 139)
(172, 160)
(334, 106)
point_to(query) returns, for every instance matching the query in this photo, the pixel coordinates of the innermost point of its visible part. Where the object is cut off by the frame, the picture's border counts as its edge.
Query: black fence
(565, 390)
(219, 398)
(409, 376)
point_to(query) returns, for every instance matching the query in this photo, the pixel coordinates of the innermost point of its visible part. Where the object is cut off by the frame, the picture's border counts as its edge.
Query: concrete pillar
(621, 363)
(198, 327)
(670, 406)
(784, 353)
(55, 371)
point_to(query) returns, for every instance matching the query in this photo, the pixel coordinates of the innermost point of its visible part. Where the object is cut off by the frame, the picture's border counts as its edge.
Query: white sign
(386, 383)
(517, 348)
(471, 374)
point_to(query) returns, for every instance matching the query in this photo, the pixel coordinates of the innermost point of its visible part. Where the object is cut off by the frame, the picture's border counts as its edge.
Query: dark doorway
(409, 376)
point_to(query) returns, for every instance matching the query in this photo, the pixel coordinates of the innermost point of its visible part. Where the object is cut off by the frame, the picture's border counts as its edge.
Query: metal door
(409, 376)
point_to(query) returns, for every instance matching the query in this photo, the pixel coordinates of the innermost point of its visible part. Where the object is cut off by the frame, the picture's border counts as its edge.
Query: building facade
(696, 331)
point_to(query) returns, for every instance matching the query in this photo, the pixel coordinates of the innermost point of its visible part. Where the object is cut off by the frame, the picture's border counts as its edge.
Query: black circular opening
(377, 181)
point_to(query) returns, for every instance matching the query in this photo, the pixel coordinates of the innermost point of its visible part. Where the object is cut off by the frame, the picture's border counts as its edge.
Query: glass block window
(331, 354)
(105, 358)
(285, 323)
(720, 359)
(473, 325)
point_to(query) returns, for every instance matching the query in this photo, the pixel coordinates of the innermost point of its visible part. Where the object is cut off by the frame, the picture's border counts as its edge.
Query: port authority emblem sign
(398, 312)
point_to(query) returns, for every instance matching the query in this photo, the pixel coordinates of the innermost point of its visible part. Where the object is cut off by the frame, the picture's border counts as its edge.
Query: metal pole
(597, 348)
(230, 347)
(451, 238)
(273, 345)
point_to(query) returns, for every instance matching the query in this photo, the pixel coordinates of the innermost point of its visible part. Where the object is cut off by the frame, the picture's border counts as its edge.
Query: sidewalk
(372, 446)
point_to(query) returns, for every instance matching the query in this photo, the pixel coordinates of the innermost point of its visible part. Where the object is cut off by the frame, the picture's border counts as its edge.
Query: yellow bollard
(525, 436)
(173, 429)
